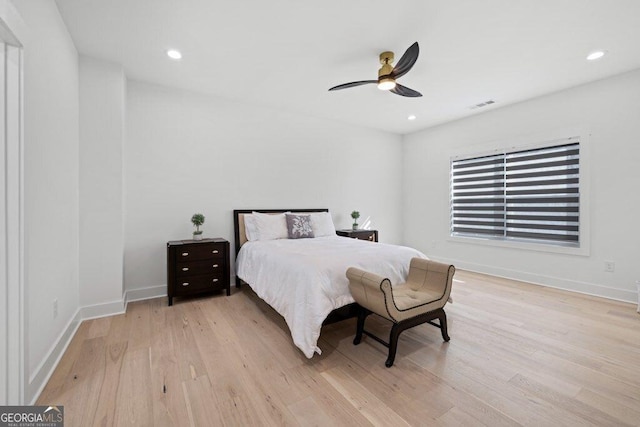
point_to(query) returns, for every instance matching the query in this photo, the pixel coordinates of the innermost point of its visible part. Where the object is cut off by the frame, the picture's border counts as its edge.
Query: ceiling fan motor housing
(386, 58)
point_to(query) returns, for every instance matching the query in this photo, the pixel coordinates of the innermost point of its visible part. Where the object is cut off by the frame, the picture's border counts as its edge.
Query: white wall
(189, 153)
(102, 111)
(50, 184)
(609, 110)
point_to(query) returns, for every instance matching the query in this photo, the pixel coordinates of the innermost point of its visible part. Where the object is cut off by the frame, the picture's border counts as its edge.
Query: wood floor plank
(199, 395)
(133, 405)
(169, 404)
(105, 410)
(582, 411)
(85, 383)
(188, 357)
(606, 404)
(372, 407)
(60, 383)
(308, 413)
(519, 355)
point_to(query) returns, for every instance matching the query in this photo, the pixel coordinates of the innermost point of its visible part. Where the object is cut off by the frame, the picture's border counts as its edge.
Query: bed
(304, 279)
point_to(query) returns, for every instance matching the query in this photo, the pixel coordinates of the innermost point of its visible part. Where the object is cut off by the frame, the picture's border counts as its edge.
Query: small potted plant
(197, 220)
(355, 215)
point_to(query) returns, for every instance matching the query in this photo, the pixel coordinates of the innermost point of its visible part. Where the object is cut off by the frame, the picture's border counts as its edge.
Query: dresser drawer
(198, 252)
(194, 284)
(197, 268)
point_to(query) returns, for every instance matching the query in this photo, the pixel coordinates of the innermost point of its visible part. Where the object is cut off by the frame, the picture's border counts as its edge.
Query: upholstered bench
(420, 300)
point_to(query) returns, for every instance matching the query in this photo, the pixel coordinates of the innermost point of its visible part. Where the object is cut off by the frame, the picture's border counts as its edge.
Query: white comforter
(304, 279)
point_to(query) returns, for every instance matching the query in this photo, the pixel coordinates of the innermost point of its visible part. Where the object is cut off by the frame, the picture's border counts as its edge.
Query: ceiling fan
(387, 74)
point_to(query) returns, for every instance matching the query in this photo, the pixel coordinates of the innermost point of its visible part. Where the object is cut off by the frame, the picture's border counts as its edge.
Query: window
(529, 195)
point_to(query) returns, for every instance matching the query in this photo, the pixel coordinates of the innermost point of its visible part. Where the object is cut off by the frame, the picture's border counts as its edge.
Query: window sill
(583, 250)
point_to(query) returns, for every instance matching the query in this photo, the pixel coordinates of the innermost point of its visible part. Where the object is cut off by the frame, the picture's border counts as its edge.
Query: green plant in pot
(355, 215)
(197, 220)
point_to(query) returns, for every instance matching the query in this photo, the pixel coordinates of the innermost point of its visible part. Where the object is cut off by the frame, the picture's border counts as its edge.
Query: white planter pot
(197, 237)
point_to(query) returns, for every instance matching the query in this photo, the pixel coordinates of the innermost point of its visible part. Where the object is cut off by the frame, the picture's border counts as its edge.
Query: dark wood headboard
(238, 221)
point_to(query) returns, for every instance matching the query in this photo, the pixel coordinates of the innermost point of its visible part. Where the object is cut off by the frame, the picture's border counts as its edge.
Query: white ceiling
(285, 54)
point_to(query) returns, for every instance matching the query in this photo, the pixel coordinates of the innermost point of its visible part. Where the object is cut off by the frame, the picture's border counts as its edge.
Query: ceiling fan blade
(405, 91)
(406, 62)
(352, 84)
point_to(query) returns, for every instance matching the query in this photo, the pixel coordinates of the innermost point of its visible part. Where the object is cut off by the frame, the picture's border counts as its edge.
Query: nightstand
(197, 266)
(371, 235)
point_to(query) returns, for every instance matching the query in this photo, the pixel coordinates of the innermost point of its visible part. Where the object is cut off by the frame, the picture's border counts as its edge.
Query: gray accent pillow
(299, 226)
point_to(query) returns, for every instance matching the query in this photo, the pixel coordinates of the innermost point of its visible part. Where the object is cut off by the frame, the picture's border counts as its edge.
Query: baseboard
(145, 293)
(548, 281)
(102, 310)
(43, 372)
(41, 376)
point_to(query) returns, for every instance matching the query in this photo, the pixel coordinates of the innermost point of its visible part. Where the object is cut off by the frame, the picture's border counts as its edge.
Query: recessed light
(411, 117)
(174, 54)
(595, 55)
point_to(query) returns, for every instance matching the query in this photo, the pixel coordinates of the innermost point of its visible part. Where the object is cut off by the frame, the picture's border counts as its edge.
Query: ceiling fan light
(386, 83)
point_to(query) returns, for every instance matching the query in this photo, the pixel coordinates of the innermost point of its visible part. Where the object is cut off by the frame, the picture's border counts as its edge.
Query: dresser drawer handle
(215, 266)
(185, 253)
(215, 280)
(371, 237)
(185, 268)
(185, 284)
(215, 251)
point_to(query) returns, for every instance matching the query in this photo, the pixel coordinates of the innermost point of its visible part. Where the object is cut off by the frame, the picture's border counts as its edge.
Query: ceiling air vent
(482, 104)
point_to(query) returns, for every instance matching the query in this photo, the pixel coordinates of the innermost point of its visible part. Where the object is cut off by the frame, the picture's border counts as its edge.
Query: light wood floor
(519, 355)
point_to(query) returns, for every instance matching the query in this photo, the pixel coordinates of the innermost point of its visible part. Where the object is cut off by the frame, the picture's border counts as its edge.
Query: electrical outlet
(55, 308)
(609, 266)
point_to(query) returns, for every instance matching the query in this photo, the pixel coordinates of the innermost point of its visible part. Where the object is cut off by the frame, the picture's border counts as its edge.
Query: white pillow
(271, 226)
(251, 228)
(322, 224)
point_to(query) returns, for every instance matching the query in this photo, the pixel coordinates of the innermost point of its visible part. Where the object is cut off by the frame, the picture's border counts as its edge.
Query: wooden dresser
(197, 266)
(371, 235)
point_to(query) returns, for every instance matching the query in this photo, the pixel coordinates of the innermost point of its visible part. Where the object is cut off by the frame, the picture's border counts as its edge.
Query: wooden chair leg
(443, 325)
(362, 315)
(393, 344)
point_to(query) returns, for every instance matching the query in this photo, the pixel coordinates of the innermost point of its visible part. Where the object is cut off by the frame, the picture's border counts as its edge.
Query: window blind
(531, 194)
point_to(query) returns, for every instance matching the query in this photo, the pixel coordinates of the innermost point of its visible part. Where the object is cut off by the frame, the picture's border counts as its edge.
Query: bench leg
(362, 315)
(443, 325)
(393, 344)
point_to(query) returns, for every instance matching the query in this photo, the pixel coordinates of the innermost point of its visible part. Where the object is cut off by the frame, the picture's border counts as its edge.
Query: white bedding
(304, 279)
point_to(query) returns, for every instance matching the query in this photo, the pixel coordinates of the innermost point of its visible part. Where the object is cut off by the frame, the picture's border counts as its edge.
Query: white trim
(45, 369)
(517, 148)
(43, 372)
(4, 250)
(102, 310)
(12, 30)
(145, 293)
(586, 288)
(513, 244)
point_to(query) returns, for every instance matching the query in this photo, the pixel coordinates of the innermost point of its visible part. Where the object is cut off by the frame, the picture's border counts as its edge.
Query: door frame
(12, 325)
